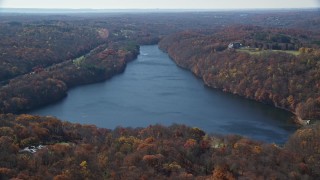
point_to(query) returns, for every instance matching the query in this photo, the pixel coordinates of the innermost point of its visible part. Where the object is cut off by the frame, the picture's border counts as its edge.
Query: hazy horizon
(161, 5)
(98, 11)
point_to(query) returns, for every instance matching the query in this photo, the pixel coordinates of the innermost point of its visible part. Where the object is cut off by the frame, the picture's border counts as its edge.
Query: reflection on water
(154, 90)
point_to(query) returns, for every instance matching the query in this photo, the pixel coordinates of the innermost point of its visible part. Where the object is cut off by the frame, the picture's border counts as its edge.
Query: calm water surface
(154, 90)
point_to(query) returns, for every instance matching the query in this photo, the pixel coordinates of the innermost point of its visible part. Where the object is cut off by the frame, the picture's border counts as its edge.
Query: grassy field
(254, 51)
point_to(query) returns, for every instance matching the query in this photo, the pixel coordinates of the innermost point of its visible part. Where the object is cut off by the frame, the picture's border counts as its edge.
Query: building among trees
(234, 45)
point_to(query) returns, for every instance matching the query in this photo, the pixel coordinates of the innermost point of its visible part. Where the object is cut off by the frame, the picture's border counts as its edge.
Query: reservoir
(153, 90)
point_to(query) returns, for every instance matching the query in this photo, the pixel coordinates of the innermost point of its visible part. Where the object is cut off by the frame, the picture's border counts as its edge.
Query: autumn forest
(272, 57)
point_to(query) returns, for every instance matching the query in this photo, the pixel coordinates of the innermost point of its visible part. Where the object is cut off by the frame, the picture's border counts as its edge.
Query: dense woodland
(271, 74)
(42, 60)
(42, 56)
(47, 85)
(27, 46)
(74, 151)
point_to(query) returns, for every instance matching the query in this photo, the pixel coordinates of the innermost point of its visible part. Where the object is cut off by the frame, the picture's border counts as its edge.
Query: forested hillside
(26, 47)
(42, 56)
(280, 67)
(41, 60)
(48, 85)
(74, 151)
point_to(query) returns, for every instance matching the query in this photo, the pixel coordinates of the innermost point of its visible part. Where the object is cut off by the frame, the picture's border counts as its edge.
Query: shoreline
(51, 84)
(196, 72)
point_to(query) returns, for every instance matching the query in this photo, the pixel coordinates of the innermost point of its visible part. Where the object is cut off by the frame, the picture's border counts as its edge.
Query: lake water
(154, 90)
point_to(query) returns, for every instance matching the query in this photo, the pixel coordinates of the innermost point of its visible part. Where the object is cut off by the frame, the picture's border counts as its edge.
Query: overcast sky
(161, 4)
